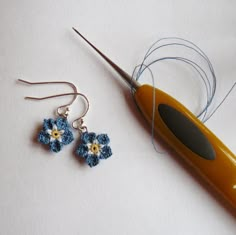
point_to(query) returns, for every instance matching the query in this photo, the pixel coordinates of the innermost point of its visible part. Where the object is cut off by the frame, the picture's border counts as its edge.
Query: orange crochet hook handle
(191, 139)
(188, 136)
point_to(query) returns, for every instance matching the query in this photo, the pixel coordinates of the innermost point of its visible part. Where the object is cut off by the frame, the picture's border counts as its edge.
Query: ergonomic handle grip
(191, 139)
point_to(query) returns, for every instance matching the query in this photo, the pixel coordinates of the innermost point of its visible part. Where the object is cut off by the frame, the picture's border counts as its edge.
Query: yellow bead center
(56, 134)
(95, 148)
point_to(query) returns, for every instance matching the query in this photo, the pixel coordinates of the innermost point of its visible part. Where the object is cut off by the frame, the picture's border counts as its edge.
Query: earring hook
(77, 124)
(66, 106)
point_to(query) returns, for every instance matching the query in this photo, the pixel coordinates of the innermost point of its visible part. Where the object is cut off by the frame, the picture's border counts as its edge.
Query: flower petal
(103, 139)
(82, 150)
(92, 160)
(61, 132)
(62, 124)
(67, 137)
(105, 152)
(43, 137)
(87, 137)
(55, 146)
(54, 127)
(48, 124)
(49, 131)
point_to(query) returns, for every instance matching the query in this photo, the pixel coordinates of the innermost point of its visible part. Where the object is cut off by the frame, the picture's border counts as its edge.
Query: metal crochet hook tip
(127, 78)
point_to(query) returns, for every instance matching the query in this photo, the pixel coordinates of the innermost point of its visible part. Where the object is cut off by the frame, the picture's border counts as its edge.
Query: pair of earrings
(57, 133)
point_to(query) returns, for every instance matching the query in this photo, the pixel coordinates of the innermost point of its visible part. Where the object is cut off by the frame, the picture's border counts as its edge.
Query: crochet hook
(184, 132)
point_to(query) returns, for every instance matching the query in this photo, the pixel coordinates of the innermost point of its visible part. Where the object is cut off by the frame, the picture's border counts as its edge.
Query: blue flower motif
(94, 147)
(55, 133)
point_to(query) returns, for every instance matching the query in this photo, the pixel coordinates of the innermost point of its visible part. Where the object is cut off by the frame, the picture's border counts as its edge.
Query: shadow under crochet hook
(185, 133)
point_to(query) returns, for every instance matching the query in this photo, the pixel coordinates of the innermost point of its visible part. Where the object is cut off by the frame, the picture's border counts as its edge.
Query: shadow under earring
(92, 147)
(55, 132)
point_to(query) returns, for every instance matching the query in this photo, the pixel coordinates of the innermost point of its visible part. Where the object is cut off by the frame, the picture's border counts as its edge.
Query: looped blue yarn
(94, 147)
(204, 69)
(56, 134)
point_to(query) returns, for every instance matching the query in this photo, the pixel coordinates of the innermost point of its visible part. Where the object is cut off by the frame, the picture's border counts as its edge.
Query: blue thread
(55, 146)
(82, 150)
(62, 123)
(67, 137)
(231, 89)
(93, 148)
(48, 124)
(103, 139)
(88, 137)
(56, 134)
(43, 138)
(92, 160)
(105, 152)
(209, 81)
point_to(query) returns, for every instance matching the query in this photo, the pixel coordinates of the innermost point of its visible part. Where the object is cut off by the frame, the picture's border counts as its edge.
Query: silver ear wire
(78, 123)
(62, 110)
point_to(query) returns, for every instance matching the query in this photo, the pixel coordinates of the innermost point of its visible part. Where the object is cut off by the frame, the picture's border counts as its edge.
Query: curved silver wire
(77, 124)
(62, 107)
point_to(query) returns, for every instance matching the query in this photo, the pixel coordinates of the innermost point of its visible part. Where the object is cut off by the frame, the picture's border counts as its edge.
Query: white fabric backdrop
(136, 191)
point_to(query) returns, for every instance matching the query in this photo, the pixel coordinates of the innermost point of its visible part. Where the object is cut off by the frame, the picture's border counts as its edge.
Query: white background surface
(136, 191)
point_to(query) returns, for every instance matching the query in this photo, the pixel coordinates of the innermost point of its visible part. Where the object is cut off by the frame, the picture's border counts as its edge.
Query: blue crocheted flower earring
(92, 147)
(55, 132)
